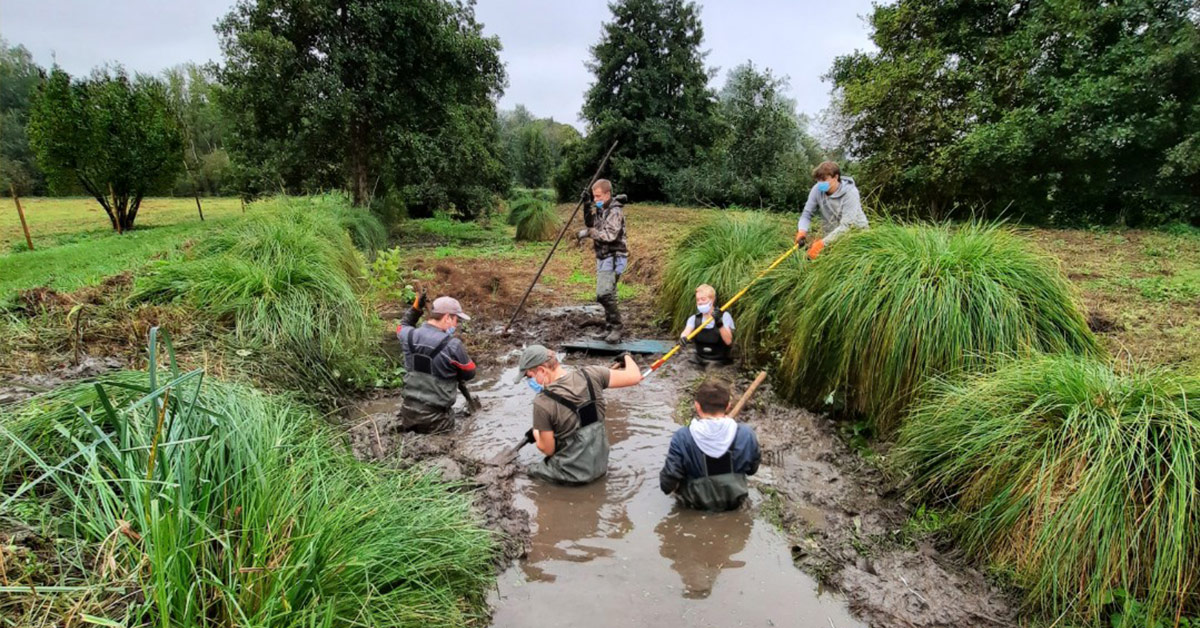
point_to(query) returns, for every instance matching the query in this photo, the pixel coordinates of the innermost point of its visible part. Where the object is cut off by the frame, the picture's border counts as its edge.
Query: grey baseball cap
(449, 305)
(533, 356)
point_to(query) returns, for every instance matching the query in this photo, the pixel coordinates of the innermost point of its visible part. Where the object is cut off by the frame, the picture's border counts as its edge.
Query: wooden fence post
(21, 213)
(198, 208)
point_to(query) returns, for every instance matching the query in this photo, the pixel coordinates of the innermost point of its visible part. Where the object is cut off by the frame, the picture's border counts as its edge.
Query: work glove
(419, 302)
(589, 215)
(621, 198)
(585, 197)
(683, 340)
(718, 318)
(529, 436)
(620, 363)
(815, 249)
(582, 234)
(801, 238)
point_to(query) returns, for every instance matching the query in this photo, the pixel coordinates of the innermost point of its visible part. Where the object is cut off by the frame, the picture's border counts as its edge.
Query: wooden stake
(243, 200)
(21, 213)
(198, 208)
(746, 395)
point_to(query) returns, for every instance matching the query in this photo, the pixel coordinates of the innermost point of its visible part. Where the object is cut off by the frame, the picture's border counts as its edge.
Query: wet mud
(619, 552)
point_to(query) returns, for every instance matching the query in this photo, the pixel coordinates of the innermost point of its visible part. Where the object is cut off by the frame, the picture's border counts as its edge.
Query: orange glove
(815, 249)
(801, 236)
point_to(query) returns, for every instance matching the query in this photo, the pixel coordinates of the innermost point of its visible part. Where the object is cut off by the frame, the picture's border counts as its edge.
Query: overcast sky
(545, 41)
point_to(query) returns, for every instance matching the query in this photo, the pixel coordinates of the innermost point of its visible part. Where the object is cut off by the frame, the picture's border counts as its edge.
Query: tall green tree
(650, 93)
(534, 166)
(762, 156)
(346, 93)
(513, 127)
(191, 90)
(115, 137)
(19, 80)
(1068, 111)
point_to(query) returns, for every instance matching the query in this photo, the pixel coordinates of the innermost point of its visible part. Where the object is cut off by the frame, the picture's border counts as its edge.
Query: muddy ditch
(621, 550)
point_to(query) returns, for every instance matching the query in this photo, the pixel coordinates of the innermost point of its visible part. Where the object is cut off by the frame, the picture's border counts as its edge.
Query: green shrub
(289, 281)
(725, 253)
(535, 219)
(233, 508)
(1082, 481)
(882, 311)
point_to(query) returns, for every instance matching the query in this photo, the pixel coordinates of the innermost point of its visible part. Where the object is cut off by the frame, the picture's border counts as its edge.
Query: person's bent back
(709, 459)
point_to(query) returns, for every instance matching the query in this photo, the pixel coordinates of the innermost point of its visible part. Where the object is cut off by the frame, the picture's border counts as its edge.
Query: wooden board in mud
(599, 347)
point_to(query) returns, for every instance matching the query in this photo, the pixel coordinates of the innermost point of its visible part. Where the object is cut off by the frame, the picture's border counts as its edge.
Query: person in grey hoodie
(841, 209)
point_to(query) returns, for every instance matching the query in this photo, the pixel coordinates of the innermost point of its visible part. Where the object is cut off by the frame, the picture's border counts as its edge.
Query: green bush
(725, 253)
(232, 508)
(535, 219)
(1082, 481)
(882, 311)
(289, 280)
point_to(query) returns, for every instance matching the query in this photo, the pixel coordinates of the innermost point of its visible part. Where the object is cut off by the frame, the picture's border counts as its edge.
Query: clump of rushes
(725, 253)
(184, 502)
(884, 310)
(535, 218)
(289, 281)
(1082, 481)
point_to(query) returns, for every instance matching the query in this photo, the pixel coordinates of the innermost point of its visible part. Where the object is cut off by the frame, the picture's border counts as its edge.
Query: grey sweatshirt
(840, 211)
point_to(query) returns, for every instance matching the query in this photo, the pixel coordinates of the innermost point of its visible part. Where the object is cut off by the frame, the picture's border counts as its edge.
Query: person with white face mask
(841, 209)
(568, 414)
(714, 344)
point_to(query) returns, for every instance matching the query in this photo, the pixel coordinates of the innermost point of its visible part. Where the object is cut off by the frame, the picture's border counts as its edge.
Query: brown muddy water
(619, 552)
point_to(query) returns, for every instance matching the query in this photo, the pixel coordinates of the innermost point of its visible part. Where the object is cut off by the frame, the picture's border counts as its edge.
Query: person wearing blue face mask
(714, 344)
(604, 217)
(836, 196)
(568, 414)
(436, 362)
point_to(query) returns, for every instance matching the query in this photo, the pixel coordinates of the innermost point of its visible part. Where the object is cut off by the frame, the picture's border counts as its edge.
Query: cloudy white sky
(545, 41)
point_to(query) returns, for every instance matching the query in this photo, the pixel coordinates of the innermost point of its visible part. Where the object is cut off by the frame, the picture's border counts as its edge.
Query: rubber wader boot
(612, 316)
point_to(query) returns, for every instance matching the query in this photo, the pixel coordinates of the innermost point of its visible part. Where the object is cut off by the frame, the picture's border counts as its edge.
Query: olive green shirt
(549, 415)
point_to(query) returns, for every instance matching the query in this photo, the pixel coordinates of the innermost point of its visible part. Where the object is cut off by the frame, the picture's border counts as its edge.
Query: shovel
(762, 375)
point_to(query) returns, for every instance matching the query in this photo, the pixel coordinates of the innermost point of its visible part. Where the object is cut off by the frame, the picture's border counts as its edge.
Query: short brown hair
(713, 396)
(604, 185)
(827, 169)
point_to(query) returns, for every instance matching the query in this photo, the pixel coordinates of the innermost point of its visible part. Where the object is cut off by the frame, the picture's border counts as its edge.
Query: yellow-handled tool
(708, 319)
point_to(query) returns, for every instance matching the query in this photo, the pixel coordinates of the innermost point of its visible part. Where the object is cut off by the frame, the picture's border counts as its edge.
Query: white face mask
(704, 308)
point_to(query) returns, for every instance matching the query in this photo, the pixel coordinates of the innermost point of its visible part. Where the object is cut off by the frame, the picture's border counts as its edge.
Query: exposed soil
(620, 548)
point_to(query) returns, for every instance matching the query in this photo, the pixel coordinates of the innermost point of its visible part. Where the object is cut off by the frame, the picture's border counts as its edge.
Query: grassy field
(74, 245)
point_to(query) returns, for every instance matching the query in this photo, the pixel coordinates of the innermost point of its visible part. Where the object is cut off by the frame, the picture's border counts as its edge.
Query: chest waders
(428, 399)
(583, 456)
(709, 345)
(720, 489)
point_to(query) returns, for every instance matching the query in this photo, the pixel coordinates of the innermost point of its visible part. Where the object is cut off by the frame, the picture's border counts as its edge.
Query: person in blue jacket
(709, 459)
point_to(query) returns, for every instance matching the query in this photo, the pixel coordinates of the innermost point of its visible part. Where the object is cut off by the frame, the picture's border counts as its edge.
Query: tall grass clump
(1082, 481)
(178, 501)
(884, 310)
(534, 218)
(725, 253)
(289, 281)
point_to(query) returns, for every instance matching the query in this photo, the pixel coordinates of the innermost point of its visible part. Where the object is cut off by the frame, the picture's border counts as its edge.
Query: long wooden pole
(21, 213)
(198, 208)
(746, 395)
(565, 226)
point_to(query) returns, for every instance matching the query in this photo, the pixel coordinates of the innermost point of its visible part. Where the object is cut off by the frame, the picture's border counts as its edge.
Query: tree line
(1061, 113)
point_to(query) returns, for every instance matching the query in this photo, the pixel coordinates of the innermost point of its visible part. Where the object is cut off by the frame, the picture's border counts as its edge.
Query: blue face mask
(705, 308)
(823, 186)
(450, 330)
(599, 204)
(537, 388)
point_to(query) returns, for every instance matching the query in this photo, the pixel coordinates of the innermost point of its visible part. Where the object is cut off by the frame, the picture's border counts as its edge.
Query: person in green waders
(568, 414)
(435, 361)
(709, 458)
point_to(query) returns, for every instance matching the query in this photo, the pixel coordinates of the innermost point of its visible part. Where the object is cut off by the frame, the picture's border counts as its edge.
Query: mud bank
(845, 521)
(619, 550)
